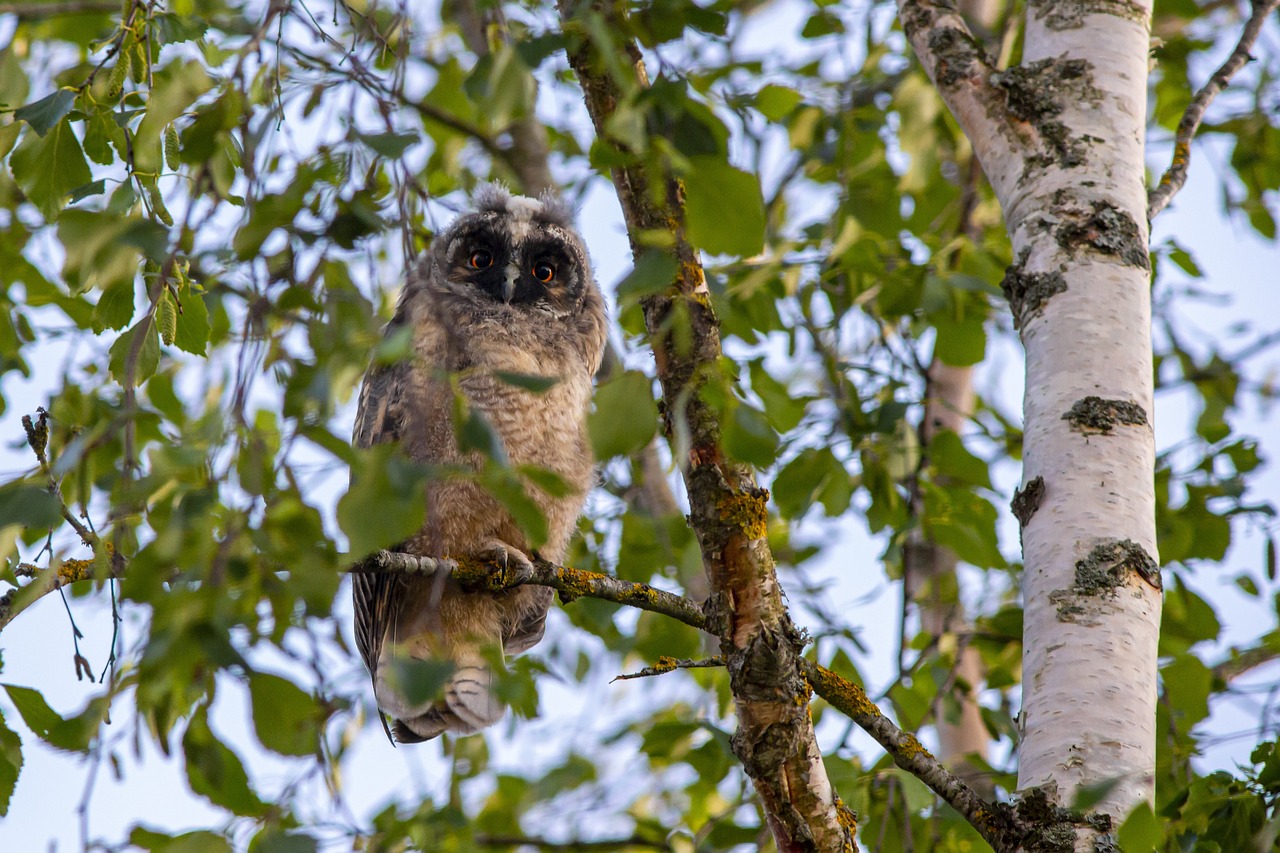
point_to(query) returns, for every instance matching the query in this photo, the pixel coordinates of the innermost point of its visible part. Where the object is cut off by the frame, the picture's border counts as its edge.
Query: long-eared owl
(505, 290)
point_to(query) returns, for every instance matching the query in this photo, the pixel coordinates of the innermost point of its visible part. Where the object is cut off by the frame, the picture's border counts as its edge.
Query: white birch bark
(1061, 139)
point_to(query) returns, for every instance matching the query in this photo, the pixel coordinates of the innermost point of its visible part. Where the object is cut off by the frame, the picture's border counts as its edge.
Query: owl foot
(513, 567)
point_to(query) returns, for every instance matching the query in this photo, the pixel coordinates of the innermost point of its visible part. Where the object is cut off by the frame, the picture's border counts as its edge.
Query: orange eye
(480, 260)
(544, 272)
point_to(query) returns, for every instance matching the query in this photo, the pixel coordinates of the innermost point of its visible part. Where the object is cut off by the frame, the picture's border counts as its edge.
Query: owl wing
(379, 418)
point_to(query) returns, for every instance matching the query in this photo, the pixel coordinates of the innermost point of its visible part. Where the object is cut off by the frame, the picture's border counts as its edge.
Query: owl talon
(512, 566)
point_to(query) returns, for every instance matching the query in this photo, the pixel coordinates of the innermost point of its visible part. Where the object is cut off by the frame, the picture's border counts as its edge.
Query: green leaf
(653, 273)
(215, 772)
(36, 713)
(272, 840)
(200, 841)
(527, 381)
(72, 734)
(386, 502)
(503, 86)
(49, 167)
(724, 209)
(953, 461)
(389, 145)
(115, 307)
(418, 681)
(474, 433)
(962, 340)
(193, 323)
(148, 353)
(173, 90)
(10, 764)
(285, 718)
(625, 416)
(173, 29)
(776, 102)
(1141, 831)
(1187, 682)
(504, 485)
(30, 506)
(749, 438)
(43, 114)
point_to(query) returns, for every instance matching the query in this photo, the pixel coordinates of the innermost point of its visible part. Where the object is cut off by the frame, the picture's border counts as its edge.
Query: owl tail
(469, 703)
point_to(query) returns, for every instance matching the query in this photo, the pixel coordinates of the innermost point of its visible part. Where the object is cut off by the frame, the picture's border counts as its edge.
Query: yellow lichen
(665, 664)
(749, 512)
(71, 571)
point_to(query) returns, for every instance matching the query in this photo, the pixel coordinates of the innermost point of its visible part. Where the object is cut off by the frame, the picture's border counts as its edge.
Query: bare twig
(486, 840)
(1176, 175)
(666, 664)
(38, 439)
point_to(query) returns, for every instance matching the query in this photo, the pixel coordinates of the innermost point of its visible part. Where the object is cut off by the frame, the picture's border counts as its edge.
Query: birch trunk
(1061, 139)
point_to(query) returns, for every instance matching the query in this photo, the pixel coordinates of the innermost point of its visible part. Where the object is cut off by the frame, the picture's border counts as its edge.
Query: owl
(505, 290)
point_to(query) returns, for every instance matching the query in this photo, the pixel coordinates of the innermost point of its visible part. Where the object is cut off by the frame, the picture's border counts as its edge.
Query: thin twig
(666, 664)
(1176, 175)
(38, 440)
(486, 840)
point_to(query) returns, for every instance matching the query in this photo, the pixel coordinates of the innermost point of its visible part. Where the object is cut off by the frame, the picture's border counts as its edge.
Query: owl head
(514, 254)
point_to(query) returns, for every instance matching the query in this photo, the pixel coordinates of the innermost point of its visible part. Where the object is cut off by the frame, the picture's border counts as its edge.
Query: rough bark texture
(1061, 138)
(759, 643)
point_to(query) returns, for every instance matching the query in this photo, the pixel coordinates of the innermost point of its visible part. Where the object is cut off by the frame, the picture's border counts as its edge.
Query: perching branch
(570, 583)
(841, 694)
(996, 823)
(1176, 175)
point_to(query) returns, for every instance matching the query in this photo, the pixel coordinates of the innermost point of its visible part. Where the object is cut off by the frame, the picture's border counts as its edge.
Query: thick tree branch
(1176, 175)
(959, 66)
(998, 824)
(760, 645)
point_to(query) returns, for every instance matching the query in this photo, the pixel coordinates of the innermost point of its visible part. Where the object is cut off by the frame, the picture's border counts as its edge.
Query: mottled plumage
(508, 289)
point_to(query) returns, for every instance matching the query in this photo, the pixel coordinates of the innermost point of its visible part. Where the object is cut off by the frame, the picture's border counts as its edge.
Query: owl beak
(509, 283)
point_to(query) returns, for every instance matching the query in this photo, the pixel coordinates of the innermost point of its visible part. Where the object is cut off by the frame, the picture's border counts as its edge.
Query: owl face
(516, 252)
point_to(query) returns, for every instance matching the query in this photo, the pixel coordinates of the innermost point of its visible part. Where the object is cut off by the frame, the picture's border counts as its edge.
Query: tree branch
(1176, 175)
(485, 840)
(728, 512)
(998, 824)
(959, 67)
(570, 583)
(666, 664)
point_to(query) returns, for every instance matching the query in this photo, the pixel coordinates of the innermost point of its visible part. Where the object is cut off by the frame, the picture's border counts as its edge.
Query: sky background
(1240, 268)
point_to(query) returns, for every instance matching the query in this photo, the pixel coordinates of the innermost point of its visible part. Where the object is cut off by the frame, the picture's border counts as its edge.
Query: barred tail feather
(469, 694)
